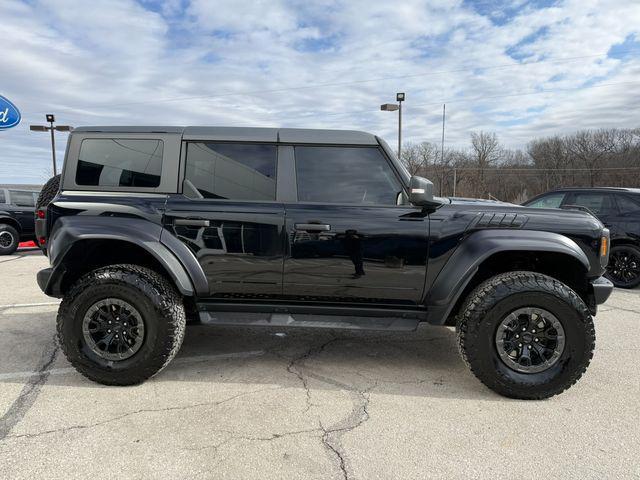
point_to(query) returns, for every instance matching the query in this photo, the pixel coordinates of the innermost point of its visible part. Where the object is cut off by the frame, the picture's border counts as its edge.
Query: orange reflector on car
(604, 246)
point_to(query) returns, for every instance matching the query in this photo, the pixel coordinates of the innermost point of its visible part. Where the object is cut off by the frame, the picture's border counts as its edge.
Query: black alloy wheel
(113, 329)
(624, 266)
(530, 340)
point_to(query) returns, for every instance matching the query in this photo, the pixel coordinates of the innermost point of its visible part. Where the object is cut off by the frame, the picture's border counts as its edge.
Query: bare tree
(486, 151)
(589, 148)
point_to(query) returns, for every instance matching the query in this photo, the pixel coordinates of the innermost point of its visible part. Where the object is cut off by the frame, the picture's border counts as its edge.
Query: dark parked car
(17, 209)
(305, 228)
(619, 211)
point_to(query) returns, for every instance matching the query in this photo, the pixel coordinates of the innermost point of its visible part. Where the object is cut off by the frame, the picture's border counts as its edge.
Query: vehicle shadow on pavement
(424, 363)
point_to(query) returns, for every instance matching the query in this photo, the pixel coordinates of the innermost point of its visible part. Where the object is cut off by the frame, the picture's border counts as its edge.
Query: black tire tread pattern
(161, 293)
(497, 288)
(49, 190)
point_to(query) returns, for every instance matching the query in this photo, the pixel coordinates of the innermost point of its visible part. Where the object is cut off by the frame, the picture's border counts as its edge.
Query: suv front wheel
(526, 335)
(121, 324)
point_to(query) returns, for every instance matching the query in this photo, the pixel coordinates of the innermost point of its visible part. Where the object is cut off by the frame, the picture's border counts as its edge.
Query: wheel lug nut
(517, 336)
(108, 331)
(519, 344)
(533, 331)
(524, 329)
(535, 339)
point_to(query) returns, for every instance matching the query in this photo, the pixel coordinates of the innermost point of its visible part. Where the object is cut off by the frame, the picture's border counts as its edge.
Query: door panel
(240, 245)
(355, 253)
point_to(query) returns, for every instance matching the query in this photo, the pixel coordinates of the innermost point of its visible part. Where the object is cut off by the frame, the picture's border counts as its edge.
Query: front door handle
(313, 227)
(192, 222)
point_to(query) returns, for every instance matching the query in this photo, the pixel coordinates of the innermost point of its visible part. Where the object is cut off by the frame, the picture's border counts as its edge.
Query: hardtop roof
(248, 134)
(595, 189)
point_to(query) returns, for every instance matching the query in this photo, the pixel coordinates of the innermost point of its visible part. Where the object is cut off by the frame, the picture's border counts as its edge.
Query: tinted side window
(345, 175)
(22, 199)
(2, 197)
(117, 162)
(628, 204)
(548, 201)
(233, 171)
(598, 203)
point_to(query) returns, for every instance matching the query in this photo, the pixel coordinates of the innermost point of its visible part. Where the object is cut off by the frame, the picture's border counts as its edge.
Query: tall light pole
(391, 107)
(44, 128)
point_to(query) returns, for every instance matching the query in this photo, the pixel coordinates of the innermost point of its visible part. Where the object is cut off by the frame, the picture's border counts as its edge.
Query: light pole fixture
(51, 118)
(392, 107)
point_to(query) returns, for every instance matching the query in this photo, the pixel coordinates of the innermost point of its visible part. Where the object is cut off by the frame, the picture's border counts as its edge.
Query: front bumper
(602, 289)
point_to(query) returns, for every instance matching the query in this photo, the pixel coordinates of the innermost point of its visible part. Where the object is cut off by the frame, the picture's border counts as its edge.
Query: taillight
(41, 213)
(42, 240)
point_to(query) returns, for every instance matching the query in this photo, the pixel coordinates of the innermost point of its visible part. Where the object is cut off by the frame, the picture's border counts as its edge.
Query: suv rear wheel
(526, 335)
(9, 239)
(121, 324)
(624, 266)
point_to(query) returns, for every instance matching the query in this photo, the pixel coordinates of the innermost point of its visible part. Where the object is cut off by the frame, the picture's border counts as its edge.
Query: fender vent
(500, 220)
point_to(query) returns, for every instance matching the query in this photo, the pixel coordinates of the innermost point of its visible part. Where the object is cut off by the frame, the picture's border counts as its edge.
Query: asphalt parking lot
(258, 403)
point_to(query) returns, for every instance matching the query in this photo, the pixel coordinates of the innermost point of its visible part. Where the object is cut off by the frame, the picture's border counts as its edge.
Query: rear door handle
(192, 222)
(313, 227)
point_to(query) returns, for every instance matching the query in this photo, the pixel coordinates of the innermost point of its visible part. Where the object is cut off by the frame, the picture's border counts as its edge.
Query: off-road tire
(492, 301)
(47, 193)
(15, 239)
(154, 297)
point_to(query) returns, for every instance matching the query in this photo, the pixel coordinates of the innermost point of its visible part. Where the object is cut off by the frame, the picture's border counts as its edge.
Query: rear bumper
(602, 289)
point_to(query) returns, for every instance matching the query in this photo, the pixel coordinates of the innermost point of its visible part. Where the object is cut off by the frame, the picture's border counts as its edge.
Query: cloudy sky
(519, 68)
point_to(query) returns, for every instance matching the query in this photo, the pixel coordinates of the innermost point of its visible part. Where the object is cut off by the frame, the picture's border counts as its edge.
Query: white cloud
(325, 64)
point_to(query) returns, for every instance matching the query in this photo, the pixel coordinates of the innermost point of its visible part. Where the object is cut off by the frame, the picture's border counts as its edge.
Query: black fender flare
(475, 249)
(5, 217)
(174, 256)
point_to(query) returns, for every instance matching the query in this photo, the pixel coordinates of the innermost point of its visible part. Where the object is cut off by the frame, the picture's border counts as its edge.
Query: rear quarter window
(120, 162)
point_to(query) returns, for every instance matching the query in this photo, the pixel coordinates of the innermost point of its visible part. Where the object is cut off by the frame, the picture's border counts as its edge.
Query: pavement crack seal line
(29, 392)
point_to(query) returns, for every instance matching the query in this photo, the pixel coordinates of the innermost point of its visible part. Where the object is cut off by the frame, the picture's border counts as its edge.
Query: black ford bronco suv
(16, 218)
(154, 226)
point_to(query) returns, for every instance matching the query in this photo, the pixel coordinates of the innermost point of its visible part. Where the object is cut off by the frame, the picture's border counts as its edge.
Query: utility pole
(455, 180)
(442, 144)
(44, 128)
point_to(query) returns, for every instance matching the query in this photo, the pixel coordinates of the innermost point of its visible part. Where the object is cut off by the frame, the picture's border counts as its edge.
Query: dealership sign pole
(44, 128)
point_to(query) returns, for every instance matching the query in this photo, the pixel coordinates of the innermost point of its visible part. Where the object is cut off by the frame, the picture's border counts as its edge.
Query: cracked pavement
(253, 403)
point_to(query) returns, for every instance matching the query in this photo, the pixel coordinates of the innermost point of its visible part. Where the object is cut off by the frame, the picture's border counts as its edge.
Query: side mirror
(421, 192)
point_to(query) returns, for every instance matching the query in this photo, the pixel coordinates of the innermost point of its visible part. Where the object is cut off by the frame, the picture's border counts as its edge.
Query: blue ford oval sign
(9, 114)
